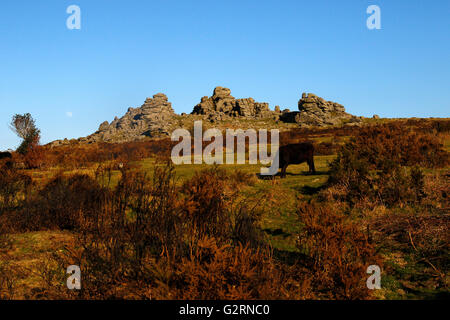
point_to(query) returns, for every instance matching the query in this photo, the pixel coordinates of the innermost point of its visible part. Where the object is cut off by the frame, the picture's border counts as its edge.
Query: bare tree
(25, 127)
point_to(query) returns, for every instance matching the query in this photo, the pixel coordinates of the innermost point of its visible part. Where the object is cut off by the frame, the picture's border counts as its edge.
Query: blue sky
(72, 80)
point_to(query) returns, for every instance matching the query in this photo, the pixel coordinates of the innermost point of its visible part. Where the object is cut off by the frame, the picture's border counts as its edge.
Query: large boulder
(154, 118)
(223, 106)
(251, 109)
(316, 111)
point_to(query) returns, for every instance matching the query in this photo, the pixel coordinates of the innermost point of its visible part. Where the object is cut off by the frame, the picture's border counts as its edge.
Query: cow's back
(296, 153)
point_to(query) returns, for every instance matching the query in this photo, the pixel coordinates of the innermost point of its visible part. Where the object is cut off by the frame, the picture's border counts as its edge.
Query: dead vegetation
(150, 236)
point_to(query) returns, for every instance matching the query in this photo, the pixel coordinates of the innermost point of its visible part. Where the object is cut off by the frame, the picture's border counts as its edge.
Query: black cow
(295, 154)
(5, 155)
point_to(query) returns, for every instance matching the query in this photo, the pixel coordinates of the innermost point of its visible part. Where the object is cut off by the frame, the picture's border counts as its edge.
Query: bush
(34, 157)
(338, 253)
(372, 165)
(65, 199)
(246, 225)
(223, 272)
(383, 145)
(14, 187)
(59, 205)
(325, 148)
(422, 239)
(205, 204)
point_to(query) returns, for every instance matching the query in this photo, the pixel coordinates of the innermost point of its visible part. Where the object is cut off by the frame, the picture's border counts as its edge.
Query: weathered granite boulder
(316, 111)
(152, 119)
(223, 106)
(104, 126)
(250, 109)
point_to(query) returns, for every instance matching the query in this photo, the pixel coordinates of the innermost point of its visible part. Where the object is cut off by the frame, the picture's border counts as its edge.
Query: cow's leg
(312, 168)
(283, 171)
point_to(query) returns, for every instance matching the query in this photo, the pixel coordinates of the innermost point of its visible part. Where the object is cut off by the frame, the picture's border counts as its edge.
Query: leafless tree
(25, 127)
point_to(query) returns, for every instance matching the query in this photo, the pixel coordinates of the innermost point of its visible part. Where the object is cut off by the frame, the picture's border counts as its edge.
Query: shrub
(238, 178)
(14, 187)
(325, 148)
(381, 146)
(246, 227)
(436, 190)
(371, 165)
(422, 239)
(223, 272)
(60, 204)
(34, 157)
(354, 183)
(205, 204)
(9, 274)
(338, 253)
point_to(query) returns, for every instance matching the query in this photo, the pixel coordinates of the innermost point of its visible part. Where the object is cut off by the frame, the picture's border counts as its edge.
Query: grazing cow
(5, 155)
(296, 154)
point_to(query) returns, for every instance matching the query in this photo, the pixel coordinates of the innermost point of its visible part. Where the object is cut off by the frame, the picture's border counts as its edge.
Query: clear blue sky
(269, 50)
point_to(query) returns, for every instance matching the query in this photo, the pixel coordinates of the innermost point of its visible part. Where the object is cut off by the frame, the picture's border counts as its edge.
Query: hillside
(84, 200)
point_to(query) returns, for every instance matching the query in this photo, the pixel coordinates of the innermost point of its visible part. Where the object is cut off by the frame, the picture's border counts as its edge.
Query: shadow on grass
(308, 190)
(289, 257)
(277, 232)
(265, 177)
(425, 294)
(305, 173)
(292, 258)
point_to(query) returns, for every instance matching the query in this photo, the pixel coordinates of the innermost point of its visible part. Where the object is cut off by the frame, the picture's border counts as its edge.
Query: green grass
(280, 225)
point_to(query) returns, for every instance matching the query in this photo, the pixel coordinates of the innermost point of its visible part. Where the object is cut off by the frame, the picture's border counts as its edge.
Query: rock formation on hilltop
(156, 118)
(152, 119)
(223, 106)
(316, 111)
